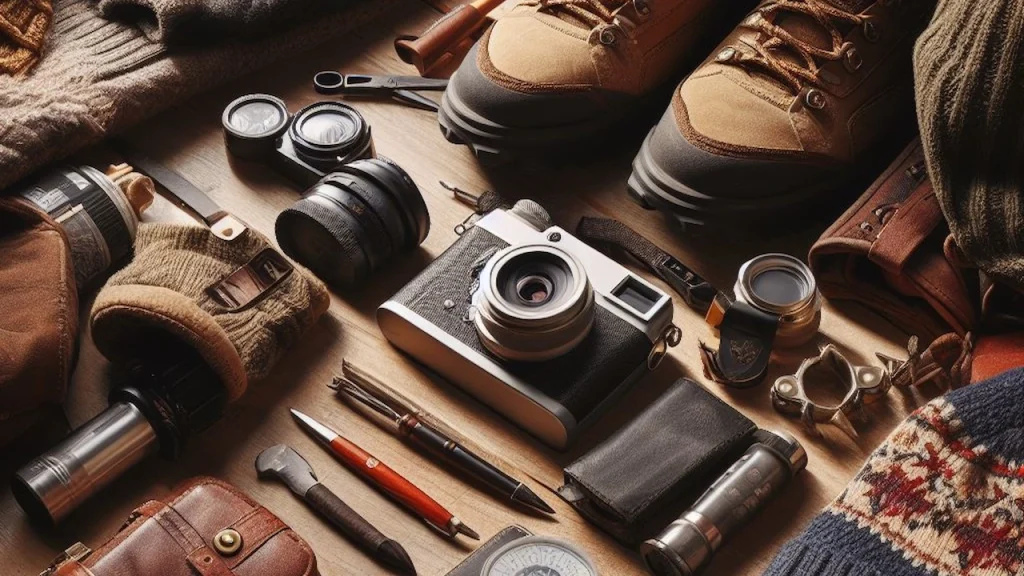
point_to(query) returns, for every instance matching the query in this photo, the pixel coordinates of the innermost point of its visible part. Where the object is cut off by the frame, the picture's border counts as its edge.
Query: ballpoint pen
(400, 419)
(385, 478)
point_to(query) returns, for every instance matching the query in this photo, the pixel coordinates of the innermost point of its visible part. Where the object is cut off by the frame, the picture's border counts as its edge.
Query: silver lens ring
(782, 285)
(534, 303)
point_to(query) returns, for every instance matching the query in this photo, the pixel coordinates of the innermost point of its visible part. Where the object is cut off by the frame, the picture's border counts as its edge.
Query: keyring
(863, 384)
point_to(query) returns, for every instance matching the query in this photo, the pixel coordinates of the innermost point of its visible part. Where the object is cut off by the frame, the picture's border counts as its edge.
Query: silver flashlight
(687, 545)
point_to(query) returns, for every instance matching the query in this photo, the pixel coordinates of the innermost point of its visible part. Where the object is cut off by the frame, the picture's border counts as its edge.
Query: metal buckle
(864, 384)
(77, 552)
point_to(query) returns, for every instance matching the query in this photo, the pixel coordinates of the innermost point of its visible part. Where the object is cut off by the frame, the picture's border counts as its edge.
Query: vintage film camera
(532, 321)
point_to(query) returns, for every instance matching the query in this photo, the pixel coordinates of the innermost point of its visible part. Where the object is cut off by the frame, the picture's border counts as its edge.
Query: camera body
(551, 377)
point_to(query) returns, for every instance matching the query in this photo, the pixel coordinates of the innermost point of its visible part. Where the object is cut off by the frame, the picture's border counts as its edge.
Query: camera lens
(783, 285)
(331, 132)
(253, 123)
(353, 221)
(534, 303)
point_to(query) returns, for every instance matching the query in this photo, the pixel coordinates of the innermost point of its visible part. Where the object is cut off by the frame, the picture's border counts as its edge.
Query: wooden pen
(386, 479)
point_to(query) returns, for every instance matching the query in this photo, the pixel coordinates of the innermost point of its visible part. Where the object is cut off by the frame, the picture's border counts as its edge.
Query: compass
(538, 556)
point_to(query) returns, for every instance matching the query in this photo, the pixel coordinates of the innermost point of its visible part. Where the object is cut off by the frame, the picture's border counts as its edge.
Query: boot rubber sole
(655, 189)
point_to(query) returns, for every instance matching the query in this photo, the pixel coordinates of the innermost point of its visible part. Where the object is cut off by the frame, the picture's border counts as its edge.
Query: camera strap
(604, 234)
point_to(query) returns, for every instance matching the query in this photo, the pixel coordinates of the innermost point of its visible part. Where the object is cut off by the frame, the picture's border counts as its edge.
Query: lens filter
(331, 130)
(253, 123)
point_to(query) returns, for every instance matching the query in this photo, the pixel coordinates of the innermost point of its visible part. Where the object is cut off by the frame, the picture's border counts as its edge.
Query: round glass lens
(534, 289)
(327, 129)
(256, 118)
(779, 286)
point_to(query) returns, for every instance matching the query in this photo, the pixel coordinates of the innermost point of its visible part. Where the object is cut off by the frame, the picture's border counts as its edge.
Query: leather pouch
(208, 528)
(641, 478)
(38, 319)
(889, 252)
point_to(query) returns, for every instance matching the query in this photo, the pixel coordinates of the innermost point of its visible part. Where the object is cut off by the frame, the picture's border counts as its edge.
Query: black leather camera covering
(644, 476)
(580, 380)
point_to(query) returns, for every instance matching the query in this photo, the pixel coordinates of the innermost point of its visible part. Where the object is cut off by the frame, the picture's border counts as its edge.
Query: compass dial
(538, 556)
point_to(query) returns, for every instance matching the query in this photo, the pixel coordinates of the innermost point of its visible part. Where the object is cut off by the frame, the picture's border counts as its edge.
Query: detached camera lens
(353, 221)
(534, 303)
(253, 123)
(782, 285)
(331, 132)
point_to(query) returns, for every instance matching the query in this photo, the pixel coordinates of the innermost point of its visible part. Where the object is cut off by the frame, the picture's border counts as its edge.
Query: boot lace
(593, 13)
(767, 53)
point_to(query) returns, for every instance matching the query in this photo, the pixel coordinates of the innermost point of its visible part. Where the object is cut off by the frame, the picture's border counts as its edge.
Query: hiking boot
(801, 97)
(552, 72)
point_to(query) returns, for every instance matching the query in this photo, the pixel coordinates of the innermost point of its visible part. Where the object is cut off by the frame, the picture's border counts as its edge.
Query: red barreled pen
(385, 478)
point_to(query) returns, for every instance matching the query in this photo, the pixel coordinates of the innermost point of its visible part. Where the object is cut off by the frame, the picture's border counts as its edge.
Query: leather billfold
(208, 528)
(646, 474)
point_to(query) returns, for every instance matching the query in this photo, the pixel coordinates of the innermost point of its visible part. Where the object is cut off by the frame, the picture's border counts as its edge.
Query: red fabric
(996, 354)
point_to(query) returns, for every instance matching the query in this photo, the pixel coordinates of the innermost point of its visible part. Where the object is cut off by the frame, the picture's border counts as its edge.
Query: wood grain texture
(188, 139)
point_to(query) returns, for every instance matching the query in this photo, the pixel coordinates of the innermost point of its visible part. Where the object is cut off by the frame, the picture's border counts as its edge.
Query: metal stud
(726, 54)
(815, 99)
(228, 542)
(608, 36)
(852, 60)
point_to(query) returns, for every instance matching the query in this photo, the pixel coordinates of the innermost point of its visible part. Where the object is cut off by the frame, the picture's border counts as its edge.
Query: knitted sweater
(943, 495)
(969, 76)
(97, 77)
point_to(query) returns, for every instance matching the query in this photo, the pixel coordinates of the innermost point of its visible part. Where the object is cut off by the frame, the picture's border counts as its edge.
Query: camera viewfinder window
(636, 295)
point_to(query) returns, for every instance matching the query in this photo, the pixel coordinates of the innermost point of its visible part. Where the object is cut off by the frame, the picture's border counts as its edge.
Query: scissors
(399, 88)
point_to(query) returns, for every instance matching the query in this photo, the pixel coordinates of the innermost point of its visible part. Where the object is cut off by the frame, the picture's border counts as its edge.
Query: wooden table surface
(188, 139)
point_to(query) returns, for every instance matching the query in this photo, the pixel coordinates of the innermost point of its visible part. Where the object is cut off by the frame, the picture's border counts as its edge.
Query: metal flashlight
(687, 545)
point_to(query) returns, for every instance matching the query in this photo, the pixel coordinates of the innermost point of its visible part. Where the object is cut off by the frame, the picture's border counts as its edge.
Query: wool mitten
(238, 303)
(944, 494)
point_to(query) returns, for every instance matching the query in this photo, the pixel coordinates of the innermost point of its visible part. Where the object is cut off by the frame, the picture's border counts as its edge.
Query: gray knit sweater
(97, 77)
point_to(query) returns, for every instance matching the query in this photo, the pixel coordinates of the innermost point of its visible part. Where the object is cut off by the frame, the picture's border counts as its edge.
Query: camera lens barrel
(687, 545)
(353, 221)
(782, 285)
(94, 213)
(329, 134)
(253, 123)
(534, 303)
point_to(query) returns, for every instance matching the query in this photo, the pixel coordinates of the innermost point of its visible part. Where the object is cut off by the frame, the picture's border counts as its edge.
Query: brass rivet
(228, 542)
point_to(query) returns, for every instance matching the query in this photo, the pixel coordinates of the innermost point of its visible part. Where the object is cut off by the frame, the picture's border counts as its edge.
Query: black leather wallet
(645, 475)
(474, 564)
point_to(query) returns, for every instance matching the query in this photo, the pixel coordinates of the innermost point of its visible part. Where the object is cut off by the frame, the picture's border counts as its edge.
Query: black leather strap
(746, 335)
(321, 499)
(186, 192)
(606, 233)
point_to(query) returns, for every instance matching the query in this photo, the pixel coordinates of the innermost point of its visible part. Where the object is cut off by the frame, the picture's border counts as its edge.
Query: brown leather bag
(208, 528)
(889, 253)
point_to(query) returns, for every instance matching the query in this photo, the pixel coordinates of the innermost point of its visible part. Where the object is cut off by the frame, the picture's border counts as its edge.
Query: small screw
(554, 237)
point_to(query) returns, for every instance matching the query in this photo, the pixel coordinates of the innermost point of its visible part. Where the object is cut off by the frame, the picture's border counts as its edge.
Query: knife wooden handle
(391, 482)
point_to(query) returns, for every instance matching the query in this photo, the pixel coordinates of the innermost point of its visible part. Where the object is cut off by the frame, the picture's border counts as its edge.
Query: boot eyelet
(871, 32)
(815, 99)
(727, 54)
(642, 7)
(608, 36)
(852, 60)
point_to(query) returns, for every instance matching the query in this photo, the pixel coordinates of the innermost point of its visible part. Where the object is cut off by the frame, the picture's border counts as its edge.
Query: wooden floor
(189, 139)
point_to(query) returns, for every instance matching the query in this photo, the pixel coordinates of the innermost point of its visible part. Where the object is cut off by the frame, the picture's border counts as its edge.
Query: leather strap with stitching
(206, 561)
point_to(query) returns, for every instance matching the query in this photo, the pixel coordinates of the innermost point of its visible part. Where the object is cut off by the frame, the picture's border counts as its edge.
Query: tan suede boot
(798, 100)
(559, 71)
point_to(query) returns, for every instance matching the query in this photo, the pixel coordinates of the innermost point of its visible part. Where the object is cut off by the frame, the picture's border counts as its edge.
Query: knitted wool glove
(969, 75)
(166, 288)
(943, 495)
